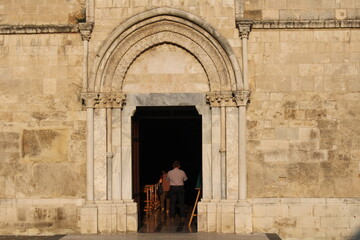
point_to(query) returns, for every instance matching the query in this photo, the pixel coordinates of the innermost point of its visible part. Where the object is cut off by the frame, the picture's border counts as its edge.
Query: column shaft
(223, 150)
(90, 155)
(245, 62)
(116, 171)
(242, 153)
(109, 154)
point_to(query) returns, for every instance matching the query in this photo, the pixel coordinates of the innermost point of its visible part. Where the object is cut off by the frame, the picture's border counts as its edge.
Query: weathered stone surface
(166, 68)
(45, 145)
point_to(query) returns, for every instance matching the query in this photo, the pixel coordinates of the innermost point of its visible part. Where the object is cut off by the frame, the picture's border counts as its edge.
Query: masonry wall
(42, 133)
(303, 144)
(303, 117)
(300, 9)
(30, 12)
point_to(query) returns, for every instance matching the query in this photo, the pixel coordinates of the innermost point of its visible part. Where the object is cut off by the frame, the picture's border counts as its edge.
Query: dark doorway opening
(160, 136)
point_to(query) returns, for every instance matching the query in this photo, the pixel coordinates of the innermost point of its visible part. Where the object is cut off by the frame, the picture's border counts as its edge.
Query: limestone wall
(307, 218)
(303, 134)
(42, 133)
(166, 68)
(20, 12)
(42, 127)
(29, 216)
(300, 9)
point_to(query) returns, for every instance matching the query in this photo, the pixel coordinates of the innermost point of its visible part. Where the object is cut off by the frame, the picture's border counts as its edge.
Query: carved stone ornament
(242, 97)
(85, 30)
(103, 100)
(306, 24)
(244, 28)
(220, 99)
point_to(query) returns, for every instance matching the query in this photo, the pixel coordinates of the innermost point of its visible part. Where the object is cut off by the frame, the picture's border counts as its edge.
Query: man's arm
(185, 177)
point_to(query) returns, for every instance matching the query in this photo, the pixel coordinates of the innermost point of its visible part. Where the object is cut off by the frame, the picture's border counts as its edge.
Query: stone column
(244, 30)
(116, 170)
(215, 153)
(242, 97)
(90, 102)
(219, 100)
(85, 32)
(112, 101)
(243, 209)
(109, 152)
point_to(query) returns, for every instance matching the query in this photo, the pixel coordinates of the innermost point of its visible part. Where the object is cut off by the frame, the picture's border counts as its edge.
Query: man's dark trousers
(177, 193)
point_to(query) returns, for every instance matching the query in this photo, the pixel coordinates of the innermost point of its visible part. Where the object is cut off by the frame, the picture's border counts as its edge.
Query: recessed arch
(158, 26)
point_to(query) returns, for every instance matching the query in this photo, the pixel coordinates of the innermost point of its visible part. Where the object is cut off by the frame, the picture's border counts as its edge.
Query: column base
(109, 217)
(224, 216)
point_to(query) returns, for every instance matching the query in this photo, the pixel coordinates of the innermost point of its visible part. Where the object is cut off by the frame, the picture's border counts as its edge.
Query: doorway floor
(160, 222)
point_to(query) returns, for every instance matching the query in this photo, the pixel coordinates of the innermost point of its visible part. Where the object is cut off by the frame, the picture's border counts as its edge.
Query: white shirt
(176, 177)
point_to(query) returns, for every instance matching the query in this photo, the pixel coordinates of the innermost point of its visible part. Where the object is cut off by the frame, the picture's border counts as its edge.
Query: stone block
(275, 155)
(46, 145)
(89, 219)
(332, 222)
(301, 210)
(227, 222)
(308, 222)
(263, 222)
(211, 221)
(269, 210)
(274, 144)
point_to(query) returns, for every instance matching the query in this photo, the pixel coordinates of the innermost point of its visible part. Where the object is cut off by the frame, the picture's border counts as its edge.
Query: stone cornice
(302, 24)
(228, 99)
(84, 28)
(37, 29)
(103, 100)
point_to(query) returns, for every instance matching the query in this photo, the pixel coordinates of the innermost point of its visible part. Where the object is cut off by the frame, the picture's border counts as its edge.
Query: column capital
(244, 28)
(85, 30)
(228, 99)
(104, 100)
(242, 97)
(220, 99)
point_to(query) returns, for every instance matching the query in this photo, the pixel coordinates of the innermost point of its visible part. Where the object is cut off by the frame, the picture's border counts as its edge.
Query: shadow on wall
(273, 236)
(356, 236)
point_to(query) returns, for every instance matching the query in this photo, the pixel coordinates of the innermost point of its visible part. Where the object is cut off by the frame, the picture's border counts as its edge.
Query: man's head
(176, 164)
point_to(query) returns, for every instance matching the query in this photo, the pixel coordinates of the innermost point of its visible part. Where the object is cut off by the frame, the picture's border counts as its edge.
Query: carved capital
(242, 97)
(244, 28)
(85, 30)
(220, 99)
(104, 100)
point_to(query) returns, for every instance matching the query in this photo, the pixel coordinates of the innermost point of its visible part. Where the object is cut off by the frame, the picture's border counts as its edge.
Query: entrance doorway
(161, 135)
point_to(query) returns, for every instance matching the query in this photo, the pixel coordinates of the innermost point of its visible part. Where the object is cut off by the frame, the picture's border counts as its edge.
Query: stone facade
(276, 82)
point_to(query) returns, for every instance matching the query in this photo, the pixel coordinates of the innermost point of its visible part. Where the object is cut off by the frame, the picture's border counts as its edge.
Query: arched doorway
(161, 135)
(221, 119)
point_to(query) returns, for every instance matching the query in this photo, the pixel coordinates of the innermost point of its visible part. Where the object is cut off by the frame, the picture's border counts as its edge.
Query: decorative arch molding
(165, 26)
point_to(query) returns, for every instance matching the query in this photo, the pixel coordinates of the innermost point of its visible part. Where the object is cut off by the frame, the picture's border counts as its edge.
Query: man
(177, 192)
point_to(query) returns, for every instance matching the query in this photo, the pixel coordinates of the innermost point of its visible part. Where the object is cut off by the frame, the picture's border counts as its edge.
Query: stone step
(151, 236)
